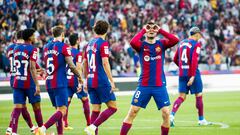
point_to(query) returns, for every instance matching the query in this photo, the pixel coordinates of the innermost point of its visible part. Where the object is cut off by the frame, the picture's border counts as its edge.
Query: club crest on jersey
(157, 49)
(146, 58)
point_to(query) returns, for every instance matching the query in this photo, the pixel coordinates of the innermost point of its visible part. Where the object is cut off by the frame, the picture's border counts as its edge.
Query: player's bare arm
(84, 70)
(73, 68)
(33, 71)
(79, 68)
(107, 69)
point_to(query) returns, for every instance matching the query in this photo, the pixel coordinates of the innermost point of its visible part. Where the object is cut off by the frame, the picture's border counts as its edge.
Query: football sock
(199, 106)
(86, 109)
(59, 126)
(125, 128)
(53, 119)
(38, 117)
(104, 116)
(27, 117)
(10, 123)
(164, 130)
(94, 116)
(65, 117)
(176, 105)
(15, 117)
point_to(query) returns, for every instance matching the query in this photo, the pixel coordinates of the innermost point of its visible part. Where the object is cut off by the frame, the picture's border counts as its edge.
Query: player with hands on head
(152, 81)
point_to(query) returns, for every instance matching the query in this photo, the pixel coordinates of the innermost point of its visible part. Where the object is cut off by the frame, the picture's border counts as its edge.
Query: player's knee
(184, 97)
(96, 107)
(18, 105)
(62, 109)
(198, 95)
(133, 112)
(84, 99)
(36, 106)
(165, 113)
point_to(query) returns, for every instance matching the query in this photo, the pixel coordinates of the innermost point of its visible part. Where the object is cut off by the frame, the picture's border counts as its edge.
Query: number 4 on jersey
(91, 63)
(184, 55)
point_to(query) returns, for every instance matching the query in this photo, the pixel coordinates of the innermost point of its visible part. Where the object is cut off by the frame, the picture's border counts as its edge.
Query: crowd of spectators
(219, 21)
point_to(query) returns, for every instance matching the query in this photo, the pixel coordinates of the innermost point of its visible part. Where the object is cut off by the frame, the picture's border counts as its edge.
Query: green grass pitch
(221, 107)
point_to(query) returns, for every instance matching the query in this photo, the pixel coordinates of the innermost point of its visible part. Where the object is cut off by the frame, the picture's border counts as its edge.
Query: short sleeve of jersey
(104, 50)
(66, 50)
(79, 58)
(34, 54)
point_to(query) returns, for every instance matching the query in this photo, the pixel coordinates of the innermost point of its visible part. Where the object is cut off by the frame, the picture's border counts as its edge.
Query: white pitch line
(223, 125)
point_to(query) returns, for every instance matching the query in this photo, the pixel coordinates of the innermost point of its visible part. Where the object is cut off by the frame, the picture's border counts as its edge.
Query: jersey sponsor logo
(90, 75)
(106, 50)
(23, 78)
(157, 49)
(148, 58)
(185, 67)
(198, 50)
(35, 55)
(69, 50)
(50, 77)
(79, 59)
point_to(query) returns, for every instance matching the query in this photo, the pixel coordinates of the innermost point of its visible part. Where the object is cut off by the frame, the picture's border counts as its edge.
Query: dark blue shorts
(20, 96)
(11, 81)
(80, 95)
(196, 87)
(58, 96)
(143, 95)
(101, 95)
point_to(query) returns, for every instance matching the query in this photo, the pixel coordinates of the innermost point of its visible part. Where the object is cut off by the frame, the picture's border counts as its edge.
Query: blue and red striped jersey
(96, 49)
(54, 57)
(186, 57)
(23, 54)
(10, 52)
(152, 57)
(77, 57)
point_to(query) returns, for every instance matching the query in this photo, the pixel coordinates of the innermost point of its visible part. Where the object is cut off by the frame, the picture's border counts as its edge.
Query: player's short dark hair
(19, 34)
(57, 31)
(101, 27)
(27, 33)
(73, 39)
(152, 22)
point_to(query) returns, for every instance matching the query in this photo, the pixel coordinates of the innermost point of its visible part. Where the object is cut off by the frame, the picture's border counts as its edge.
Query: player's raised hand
(157, 27)
(191, 80)
(37, 91)
(146, 27)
